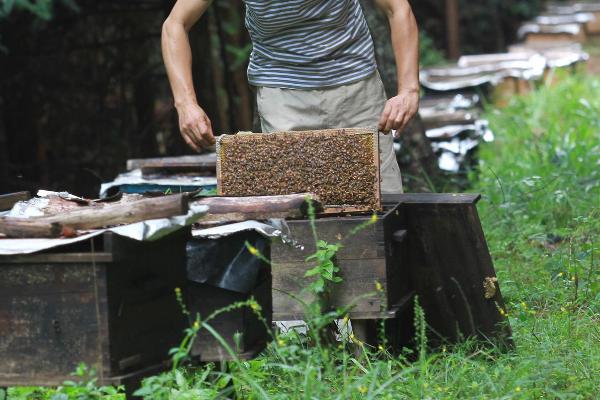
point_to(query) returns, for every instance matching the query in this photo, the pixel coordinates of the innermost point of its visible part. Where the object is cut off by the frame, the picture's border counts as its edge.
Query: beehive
(341, 166)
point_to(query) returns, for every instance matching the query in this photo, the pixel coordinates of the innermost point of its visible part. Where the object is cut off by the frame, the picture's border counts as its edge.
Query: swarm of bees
(341, 166)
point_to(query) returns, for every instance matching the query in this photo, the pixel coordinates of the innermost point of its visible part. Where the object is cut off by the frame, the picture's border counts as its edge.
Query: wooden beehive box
(341, 166)
(238, 276)
(108, 302)
(371, 255)
(448, 265)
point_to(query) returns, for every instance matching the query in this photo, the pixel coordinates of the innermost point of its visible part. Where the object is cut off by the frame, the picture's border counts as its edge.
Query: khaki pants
(357, 105)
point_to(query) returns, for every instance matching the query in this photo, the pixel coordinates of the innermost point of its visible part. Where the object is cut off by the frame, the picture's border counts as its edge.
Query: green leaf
(312, 272)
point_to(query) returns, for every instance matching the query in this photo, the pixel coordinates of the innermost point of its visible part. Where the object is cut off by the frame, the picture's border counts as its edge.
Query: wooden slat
(367, 243)
(7, 201)
(206, 160)
(431, 198)
(448, 262)
(57, 258)
(197, 169)
(358, 286)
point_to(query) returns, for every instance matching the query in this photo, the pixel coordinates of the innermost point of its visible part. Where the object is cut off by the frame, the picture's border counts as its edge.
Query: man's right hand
(195, 127)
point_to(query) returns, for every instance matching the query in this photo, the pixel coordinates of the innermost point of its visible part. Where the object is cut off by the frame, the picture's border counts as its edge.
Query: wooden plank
(253, 336)
(357, 287)
(7, 201)
(367, 243)
(431, 198)
(207, 160)
(448, 264)
(57, 258)
(197, 169)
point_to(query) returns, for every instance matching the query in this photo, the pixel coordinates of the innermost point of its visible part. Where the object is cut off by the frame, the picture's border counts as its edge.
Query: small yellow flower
(378, 286)
(253, 250)
(281, 342)
(502, 312)
(196, 324)
(560, 274)
(380, 347)
(363, 389)
(518, 389)
(177, 291)
(374, 218)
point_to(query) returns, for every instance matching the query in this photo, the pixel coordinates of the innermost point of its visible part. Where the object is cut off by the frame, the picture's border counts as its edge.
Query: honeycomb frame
(343, 184)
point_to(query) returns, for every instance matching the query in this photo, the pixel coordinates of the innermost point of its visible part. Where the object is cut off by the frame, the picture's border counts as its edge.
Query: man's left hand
(399, 110)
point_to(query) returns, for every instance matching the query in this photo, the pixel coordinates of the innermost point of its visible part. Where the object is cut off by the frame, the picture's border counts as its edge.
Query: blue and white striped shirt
(308, 44)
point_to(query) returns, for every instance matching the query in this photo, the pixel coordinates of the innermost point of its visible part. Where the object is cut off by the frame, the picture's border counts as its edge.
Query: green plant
(429, 54)
(83, 387)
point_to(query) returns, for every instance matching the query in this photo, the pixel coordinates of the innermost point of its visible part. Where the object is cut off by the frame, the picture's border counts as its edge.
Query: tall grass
(541, 213)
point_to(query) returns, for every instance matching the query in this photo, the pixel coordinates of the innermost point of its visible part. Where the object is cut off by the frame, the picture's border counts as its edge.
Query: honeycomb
(341, 166)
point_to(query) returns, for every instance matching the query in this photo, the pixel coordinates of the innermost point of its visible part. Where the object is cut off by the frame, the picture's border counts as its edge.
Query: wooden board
(555, 37)
(448, 262)
(252, 333)
(208, 160)
(7, 201)
(341, 166)
(365, 258)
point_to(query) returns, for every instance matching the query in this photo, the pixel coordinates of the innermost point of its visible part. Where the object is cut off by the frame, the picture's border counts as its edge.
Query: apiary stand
(108, 302)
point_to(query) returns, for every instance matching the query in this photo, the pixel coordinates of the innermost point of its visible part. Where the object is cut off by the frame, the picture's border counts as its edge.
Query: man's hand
(399, 111)
(195, 126)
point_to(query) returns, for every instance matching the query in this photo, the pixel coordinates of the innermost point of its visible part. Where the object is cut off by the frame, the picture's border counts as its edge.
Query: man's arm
(193, 122)
(405, 41)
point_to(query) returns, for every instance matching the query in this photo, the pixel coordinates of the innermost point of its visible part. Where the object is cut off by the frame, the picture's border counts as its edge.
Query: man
(313, 66)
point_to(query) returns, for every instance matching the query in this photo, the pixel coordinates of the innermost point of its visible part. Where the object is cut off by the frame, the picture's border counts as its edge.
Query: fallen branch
(29, 228)
(235, 209)
(119, 214)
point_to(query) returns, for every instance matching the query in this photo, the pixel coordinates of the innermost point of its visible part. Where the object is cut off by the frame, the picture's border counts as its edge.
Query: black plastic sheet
(226, 262)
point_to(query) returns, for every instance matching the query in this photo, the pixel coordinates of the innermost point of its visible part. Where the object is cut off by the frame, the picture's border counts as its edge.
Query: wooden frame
(327, 208)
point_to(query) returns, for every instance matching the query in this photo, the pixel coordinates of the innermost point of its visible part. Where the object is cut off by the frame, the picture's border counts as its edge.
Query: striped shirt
(308, 44)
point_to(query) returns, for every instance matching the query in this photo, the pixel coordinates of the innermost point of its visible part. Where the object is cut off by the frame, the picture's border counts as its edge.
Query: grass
(541, 213)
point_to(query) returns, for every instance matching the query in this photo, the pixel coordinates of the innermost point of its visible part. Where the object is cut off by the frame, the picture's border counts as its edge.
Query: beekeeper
(313, 66)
